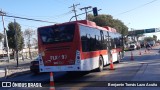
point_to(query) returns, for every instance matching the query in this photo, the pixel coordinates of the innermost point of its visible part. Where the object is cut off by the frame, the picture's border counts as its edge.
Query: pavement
(10, 68)
(145, 66)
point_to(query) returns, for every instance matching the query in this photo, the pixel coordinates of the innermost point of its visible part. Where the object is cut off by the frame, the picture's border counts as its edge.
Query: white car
(132, 47)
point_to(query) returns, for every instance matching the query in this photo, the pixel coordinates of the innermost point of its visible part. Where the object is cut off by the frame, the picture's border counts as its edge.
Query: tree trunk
(14, 55)
(17, 58)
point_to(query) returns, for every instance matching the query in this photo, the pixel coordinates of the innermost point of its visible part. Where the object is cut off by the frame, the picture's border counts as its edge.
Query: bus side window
(103, 43)
(102, 36)
(112, 42)
(97, 42)
(88, 42)
(84, 43)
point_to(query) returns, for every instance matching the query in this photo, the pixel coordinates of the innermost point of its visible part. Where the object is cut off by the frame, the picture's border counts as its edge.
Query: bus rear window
(57, 34)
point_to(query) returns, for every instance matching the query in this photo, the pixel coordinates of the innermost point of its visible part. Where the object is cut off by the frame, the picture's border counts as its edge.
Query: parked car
(132, 47)
(34, 65)
(152, 43)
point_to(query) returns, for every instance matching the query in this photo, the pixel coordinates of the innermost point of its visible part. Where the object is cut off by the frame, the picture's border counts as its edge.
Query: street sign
(150, 30)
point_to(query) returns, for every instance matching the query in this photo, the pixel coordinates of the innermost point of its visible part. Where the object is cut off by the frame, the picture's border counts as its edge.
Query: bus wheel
(101, 64)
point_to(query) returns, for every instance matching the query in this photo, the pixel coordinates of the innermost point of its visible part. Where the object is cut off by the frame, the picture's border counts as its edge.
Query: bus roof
(88, 23)
(93, 24)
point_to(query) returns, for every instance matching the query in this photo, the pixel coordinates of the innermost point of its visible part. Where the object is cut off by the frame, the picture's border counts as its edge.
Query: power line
(4, 14)
(137, 7)
(57, 16)
(64, 14)
(29, 19)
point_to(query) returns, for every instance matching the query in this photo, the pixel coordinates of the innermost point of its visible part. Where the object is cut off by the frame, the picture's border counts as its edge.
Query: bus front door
(109, 48)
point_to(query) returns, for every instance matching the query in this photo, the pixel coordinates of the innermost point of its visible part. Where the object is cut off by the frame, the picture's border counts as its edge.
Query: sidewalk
(12, 68)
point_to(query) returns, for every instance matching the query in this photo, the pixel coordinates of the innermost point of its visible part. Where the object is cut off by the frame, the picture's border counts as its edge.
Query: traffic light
(95, 12)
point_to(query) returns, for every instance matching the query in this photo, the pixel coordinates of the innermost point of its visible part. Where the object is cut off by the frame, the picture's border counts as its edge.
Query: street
(80, 45)
(145, 66)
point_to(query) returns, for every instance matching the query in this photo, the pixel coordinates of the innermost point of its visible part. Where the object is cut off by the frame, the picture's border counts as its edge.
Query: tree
(155, 37)
(12, 27)
(35, 43)
(107, 20)
(28, 33)
(11, 36)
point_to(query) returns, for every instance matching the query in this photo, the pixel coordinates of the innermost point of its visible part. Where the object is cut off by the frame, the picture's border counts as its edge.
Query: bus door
(109, 46)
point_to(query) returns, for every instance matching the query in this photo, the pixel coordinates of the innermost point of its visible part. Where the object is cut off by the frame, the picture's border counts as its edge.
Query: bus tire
(101, 64)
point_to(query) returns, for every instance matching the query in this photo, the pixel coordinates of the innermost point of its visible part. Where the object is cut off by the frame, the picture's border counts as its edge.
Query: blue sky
(58, 11)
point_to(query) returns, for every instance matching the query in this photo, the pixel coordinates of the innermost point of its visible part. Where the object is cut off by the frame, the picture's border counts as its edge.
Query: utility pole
(82, 14)
(85, 8)
(16, 44)
(74, 9)
(5, 33)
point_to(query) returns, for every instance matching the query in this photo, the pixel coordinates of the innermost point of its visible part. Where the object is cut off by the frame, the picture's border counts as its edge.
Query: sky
(136, 14)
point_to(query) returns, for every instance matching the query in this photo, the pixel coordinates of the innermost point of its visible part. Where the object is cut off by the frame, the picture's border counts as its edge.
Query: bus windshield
(57, 34)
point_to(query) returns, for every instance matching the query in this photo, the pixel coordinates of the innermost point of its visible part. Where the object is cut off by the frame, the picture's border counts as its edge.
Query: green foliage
(11, 36)
(155, 37)
(107, 20)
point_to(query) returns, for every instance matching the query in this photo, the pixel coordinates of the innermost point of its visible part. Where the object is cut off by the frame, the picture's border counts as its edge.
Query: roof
(87, 22)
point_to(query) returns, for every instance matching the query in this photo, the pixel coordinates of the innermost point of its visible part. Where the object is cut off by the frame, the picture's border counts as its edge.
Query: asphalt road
(145, 67)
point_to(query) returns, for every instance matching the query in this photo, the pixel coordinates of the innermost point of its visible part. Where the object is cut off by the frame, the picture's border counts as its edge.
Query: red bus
(77, 46)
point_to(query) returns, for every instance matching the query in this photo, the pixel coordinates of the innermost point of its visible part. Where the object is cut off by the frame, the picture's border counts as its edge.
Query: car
(152, 43)
(132, 47)
(34, 65)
